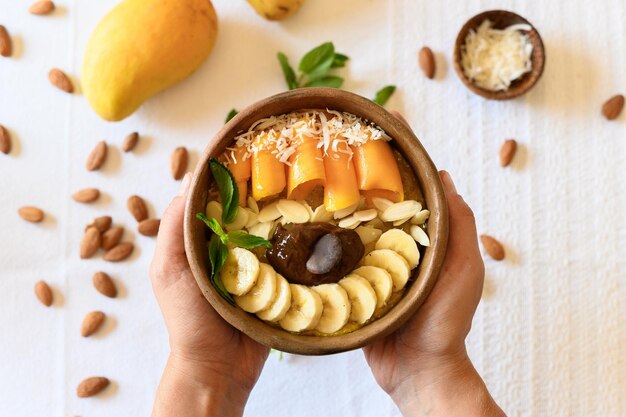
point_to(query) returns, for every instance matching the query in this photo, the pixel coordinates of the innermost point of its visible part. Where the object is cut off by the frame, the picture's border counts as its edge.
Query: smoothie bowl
(327, 222)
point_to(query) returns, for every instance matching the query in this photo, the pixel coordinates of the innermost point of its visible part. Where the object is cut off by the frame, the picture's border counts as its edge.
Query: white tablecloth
(549, 336)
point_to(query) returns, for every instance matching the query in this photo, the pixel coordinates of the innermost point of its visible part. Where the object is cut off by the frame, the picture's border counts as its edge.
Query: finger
(400, 117)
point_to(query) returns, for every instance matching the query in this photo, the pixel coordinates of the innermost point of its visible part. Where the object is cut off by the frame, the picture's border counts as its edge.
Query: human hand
(206, 353)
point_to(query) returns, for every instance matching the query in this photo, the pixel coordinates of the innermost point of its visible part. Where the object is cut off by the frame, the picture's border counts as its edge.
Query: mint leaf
(339, 61)
(229, 193)
(247, 241)
(326, 81)
(288, 72)
(212, 224)
(383, 95)
(217, 256)
(318, 60)
(230, 115)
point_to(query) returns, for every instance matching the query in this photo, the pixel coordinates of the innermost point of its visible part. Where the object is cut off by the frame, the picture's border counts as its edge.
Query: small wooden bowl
(502, 19)
(426, 173)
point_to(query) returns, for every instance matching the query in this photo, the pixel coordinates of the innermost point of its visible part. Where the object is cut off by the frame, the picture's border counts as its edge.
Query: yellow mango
(142, 47)
(276, 9)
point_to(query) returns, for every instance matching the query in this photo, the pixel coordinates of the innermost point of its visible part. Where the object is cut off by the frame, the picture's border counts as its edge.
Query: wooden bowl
(425, 171)
(502, 19)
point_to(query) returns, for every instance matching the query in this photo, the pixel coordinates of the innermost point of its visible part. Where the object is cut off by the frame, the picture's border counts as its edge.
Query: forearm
(184, 392)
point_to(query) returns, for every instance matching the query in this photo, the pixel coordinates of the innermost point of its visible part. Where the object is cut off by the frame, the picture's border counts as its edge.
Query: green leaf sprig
(314, 68)
(218, 249)
(383, 95)
(232, 113)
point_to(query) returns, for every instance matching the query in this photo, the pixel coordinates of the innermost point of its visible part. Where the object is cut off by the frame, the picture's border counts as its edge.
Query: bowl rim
(423, 279)
(538, 57)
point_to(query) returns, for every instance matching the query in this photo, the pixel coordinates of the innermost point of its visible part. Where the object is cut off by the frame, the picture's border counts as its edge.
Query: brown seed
(493, 248)
(137, 207)
(43, 293)
(112, 237)
(179, 162)
(102, 223)
(41, 7)
(86, 195)
(427, 62)
(104, 284)
(31, 214)
(130, 142)
(92, 239)
(6, 46)
(507, 152)
(91, 323)
(60, 80)
(91, 386)
(613, 107)
(119, 252)
(149, 227)
(5, 140)
(97, 156)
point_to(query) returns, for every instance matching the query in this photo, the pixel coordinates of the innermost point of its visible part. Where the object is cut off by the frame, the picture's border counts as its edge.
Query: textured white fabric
(549, 336)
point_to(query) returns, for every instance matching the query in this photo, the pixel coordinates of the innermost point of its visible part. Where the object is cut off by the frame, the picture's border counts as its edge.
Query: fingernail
(184, 185)
(447, 181)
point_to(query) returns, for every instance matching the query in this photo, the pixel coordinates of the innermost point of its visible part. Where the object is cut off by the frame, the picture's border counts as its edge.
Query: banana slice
(262, 294)
(305, 310)
(380, 280)
(240, 271)
(362, 297)
(391, 262)
(368, 234)
(401, 242)
(336, 307)
(281, 304)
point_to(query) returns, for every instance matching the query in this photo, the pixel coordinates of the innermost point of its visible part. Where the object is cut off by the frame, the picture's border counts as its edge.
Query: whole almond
(97, 156)
(149, 227)
(179, 162)
(43, 293)
(41, 7)
(60, 80)
(102, 223)
(31, 214)
(112, 237)
(5, 140)
(119, 252)
(6, 46)
(104, 284)
(507, 152)
(91, 323)
(613, 107)
(86, 195)
(130, 142)
(92, 386)
(137, 207)
(493, 248)
(90, 243)
(427, 62)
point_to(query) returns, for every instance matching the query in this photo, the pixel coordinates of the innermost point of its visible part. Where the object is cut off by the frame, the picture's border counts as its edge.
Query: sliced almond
(321, 215)
(60, 80)
(5, 140)
(401, 210)
(86, 195)
(137, 207)
(349, 223)
(421, 217)
(214, 211)
(112, 237)
(269, 212)
(613, 107)
(365, 215)
(401, 221)
(89, 245)
(97, 156)
(43, 293)
(376, 223)
(345, 212)
(179, 162)
(240, 220)
(130, 142)
(91, 323)
(252, 204)
(149, 227)
(492, 247)
(103, 283)
(31, 214)
(381, 204)
(119, 252)
(102, 223)
(253, 218)
(41, 7)
(6, 45)
(427, 62)
(91, 386)
(507, 152)
(368, 234)
(419, 235)
(262, 230)
(293, 211)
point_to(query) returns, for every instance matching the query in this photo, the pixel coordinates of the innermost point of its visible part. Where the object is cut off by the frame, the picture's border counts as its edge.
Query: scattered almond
(97, 156)
(130, 142)
(507, 152)
(92, 386)
(60, 80)
(137, 207)
(427, 62)
(179, 162)
(89, 245)
(5, 140)
(43, 293)
(112, 237)
(102, 223)
(91, 323)
(613, 107)
(31, 214)
(119, 252)
(41, 7)
(86, 195)
(493, 248)
(149, 227)
(104, 284)
(6, 46)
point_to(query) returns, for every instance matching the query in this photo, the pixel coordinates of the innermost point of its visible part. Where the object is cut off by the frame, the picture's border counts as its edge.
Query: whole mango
(142, 47)
(276, 9)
